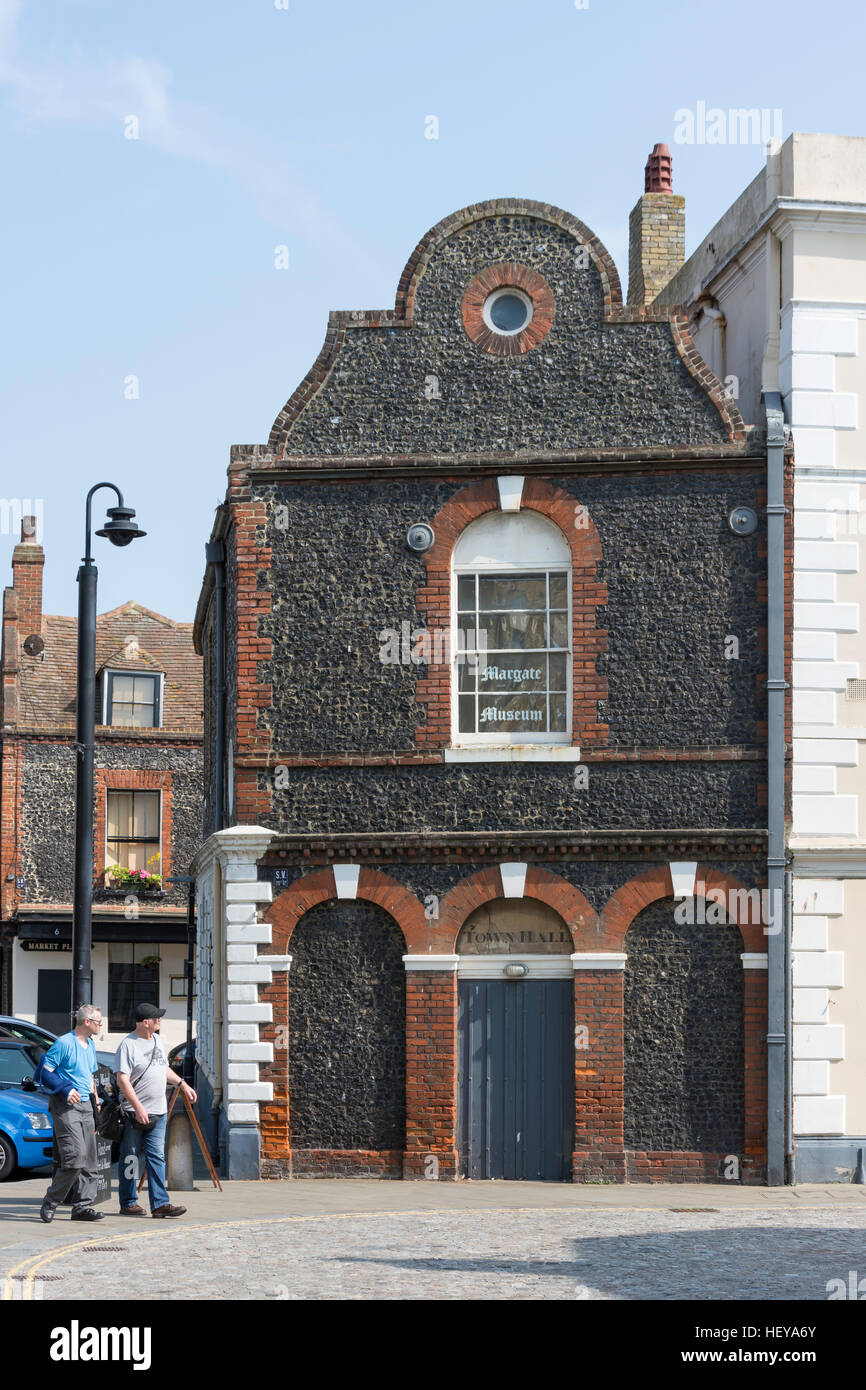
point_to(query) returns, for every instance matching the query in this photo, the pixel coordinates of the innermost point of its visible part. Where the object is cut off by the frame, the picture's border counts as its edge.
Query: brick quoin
(599, 1085)
(433, 601)
(431, 1074)
(252, 556)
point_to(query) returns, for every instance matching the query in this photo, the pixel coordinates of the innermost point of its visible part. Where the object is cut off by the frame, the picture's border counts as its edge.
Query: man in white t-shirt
(142, 1075)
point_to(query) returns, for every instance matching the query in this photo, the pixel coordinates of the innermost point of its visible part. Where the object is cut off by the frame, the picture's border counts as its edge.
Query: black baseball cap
(148, 1011)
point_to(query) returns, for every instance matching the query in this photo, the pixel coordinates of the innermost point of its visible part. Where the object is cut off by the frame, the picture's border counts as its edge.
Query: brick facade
(37, 776)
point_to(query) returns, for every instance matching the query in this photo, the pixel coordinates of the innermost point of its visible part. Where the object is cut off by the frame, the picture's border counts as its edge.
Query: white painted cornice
(824, 731)
(796, 214)
(828, 861)
(827, 308)
(430, 962)
(599, 960)
(781, 217)
(754, 960)
(246, 843)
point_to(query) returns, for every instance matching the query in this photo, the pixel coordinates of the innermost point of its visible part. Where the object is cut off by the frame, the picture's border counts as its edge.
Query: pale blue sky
(305, 126)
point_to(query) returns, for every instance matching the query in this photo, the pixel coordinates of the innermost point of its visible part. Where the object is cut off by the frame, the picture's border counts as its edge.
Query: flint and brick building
(482, 908)
(147, 809)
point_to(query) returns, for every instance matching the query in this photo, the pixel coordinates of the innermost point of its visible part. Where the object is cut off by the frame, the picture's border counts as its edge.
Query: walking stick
(201, 1143)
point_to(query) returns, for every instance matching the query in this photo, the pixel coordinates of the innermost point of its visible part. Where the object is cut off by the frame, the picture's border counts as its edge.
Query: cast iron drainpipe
(776, 928)
(790, 1157)
(215, 554)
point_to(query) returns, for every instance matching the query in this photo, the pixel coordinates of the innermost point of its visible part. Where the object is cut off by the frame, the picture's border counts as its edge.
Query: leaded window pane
(519, 631)
(512, 591)
(559, 591)
(558, 672)
(466, 711)
(466, 593)
(559, 629)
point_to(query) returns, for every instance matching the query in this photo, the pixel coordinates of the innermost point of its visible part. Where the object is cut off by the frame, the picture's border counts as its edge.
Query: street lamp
(120, 529)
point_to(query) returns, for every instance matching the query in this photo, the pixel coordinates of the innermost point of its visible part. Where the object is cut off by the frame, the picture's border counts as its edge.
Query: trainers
(46, 1211)
(132, 1211)
(168, 1210)
(88, 1215)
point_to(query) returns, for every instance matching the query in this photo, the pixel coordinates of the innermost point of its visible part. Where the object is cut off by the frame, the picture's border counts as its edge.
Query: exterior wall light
(516, 971)
(420, 537)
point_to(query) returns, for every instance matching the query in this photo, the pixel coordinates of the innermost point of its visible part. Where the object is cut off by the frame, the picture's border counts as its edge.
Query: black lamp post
(120, 530)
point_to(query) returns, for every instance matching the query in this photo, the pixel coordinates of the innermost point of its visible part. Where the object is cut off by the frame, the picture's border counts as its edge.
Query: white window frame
(499, 294)
(150, 791)
(499, 739)
(121, 671)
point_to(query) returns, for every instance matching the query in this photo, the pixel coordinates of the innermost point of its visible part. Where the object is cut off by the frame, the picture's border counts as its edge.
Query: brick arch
(373, 886)
(505, 207)
(433, 601)
(654, 884)
(485, 886)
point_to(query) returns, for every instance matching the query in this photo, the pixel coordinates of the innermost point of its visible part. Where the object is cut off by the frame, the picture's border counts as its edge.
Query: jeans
(139, 1146)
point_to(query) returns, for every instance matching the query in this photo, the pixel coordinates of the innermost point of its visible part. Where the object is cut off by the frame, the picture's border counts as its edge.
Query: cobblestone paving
(511, 1253)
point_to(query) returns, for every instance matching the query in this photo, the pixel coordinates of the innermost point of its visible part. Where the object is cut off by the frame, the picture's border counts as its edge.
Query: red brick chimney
(28, 559)
(656, 231)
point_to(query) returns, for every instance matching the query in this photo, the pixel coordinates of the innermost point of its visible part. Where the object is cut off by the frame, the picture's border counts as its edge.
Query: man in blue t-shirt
(67, 1071)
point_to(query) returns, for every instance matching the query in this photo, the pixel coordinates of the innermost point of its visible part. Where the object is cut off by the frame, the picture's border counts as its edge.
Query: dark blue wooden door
(515, 1115)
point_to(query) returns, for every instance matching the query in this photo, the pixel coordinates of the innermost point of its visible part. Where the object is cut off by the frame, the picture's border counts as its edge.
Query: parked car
(26, 1132)
(178, 1060)
(26, 1031)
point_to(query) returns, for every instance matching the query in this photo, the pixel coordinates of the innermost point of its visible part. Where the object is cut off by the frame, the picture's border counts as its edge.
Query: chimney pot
(658, 174)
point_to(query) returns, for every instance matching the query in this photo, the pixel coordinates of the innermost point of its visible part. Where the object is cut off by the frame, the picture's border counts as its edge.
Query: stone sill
(129, 889)
(513, 753)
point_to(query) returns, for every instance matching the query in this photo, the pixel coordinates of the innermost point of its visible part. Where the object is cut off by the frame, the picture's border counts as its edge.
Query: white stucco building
(777, 296)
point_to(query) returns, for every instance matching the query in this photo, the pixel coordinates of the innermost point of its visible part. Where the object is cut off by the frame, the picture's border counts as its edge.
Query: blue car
(26, 1133)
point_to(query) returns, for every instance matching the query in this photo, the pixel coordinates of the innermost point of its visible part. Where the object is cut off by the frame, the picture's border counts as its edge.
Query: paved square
(379, 1240)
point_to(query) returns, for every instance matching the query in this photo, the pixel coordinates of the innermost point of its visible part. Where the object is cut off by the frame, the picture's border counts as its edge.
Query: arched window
(511, 604)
